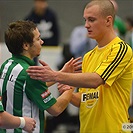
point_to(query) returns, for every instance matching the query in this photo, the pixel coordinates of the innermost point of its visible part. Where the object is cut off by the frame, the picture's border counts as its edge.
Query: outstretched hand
(46, 74)
(43, 73)
(73, 65)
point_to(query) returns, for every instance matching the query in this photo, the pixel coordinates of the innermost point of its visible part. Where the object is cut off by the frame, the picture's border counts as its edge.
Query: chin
(90, 36)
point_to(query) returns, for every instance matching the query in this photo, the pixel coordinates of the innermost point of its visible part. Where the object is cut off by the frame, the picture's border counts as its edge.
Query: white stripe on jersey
(10, 87)
(5, 71)
(31, 110)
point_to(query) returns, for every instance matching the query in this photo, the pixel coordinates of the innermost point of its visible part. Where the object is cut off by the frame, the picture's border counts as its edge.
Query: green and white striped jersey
(21, 95)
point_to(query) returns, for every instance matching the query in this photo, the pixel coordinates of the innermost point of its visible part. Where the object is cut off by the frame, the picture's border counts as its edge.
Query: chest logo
(90, 98)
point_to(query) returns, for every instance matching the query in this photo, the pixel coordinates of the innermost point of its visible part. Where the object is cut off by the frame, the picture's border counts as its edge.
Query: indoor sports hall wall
(69, 13)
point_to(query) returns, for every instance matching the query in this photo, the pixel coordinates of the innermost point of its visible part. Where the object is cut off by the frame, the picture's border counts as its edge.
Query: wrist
(55, 77)
(22, 122)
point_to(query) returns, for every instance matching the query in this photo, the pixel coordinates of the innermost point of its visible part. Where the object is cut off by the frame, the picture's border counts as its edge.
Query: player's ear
(109, 21)
(26, 46)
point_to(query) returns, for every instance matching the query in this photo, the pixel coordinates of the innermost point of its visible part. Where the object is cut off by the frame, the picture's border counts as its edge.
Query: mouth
(89, 31)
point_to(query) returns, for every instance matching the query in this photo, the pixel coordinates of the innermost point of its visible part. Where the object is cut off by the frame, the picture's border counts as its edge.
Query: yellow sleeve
(116, 63)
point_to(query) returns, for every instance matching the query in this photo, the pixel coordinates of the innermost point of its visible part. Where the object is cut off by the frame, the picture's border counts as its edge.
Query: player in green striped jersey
(23, 96)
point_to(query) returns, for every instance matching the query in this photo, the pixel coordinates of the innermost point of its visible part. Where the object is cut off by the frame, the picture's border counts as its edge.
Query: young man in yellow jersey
(105, 81)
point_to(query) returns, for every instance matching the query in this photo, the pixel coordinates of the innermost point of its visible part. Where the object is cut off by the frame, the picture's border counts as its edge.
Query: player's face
(35, 49)
(94, 22)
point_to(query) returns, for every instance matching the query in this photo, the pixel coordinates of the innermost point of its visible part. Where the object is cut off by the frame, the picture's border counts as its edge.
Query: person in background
(47, 22)
(105, 82)
(8, 121)
(129, 40)
(129, 34)
(119, 24)
(21, 95)
(80, 43)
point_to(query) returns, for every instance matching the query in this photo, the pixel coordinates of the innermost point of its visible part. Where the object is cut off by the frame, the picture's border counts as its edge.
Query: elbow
(56, 114)
(55, 111)
(97, 84)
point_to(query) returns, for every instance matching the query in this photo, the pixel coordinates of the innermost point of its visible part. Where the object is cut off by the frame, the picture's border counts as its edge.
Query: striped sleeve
(115, 63)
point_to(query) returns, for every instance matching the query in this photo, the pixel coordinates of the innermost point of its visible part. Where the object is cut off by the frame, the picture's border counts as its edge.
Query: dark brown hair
(17, 34)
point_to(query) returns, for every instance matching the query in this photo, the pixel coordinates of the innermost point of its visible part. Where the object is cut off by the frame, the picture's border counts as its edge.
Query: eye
(91, 19)
(39, 38)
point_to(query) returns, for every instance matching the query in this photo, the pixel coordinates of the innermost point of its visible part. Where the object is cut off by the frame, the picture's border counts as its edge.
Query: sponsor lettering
(88, 96)
(48, 99)
(45, 94)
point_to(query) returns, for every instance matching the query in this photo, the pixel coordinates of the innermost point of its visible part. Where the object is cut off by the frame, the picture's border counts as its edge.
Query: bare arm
(86, 80)
(76, 98)
(72, 66)
(45, 73)
(62, 102)
(9, 121)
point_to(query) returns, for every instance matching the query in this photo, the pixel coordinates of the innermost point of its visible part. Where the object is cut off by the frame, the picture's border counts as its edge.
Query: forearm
(86, 80)
(64, 99)
(61, 104)
(76, 97)
(8, 121)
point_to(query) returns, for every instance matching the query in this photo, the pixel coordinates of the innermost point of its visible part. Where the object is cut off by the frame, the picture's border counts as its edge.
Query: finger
(40, 78)
(77, 59)
(35, 68)
(78, 63)
(35, 73)
(35, 76)
(34, 121)
(70, 61)
(77, 68)
(43, 63)
(79, 71)
(60, 86)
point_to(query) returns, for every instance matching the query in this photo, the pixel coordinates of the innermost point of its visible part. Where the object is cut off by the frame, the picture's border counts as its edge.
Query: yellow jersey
(104, 109)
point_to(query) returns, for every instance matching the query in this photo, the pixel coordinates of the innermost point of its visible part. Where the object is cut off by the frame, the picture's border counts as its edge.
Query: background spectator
(80, 43)
(129, 34)
(119, 25)
(46, 21)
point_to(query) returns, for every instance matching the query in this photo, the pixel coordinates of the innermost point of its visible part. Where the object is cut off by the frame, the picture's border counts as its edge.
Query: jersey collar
(23, 58)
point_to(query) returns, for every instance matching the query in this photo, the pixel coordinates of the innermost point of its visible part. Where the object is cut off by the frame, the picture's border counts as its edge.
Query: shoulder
(50, 13)
(120, 50)
(122, 46)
